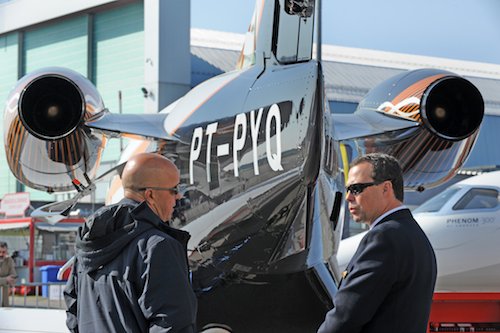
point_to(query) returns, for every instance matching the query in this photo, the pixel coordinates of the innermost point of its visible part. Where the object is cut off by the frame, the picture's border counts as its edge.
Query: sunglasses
(358, 188)
(174, 190)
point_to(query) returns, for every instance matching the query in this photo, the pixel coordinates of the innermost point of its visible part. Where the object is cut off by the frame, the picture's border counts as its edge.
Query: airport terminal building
(143, 55)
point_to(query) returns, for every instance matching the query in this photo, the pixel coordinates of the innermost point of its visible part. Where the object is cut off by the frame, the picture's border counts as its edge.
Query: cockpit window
(478, 198)
(435, 203)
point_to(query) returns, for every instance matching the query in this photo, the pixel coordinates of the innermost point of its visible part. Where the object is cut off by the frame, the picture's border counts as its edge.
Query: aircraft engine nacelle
(448, 105)
(46, 141)
(449, 109)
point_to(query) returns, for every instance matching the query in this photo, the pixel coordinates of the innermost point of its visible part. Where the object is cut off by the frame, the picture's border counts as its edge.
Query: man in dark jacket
(130, 272)
(389, 282)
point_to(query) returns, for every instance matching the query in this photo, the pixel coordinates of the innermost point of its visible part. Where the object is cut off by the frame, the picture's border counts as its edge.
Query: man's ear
(387, 186)
(148, 194)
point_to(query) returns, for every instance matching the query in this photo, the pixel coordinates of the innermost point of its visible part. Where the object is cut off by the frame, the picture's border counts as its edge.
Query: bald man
(131, 272)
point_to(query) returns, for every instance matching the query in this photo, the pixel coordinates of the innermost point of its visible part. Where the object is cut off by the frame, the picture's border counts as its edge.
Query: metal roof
(208, 62)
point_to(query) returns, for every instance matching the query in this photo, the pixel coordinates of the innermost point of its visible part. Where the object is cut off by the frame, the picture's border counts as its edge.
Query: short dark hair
(4, 245)
(385, 167)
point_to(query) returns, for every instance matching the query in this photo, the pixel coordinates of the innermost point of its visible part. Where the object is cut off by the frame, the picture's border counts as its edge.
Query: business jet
(463, 226)
(262, 158)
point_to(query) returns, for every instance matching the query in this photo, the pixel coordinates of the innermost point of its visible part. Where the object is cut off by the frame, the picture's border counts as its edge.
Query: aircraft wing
(144, 125)
(349, 126)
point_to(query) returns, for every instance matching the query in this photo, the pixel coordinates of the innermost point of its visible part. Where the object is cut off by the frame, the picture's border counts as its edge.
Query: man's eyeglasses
(358, 188)
(175, 190)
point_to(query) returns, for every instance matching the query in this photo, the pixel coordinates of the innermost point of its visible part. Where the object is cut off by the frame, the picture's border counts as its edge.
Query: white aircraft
(463, 226)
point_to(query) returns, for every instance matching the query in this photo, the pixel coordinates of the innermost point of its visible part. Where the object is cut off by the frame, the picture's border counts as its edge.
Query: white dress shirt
(385, 214)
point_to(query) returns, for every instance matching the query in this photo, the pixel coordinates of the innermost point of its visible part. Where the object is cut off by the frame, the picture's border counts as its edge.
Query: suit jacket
(389, 282)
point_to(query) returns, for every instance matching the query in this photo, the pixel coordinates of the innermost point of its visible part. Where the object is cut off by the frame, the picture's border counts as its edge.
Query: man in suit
(389, 282)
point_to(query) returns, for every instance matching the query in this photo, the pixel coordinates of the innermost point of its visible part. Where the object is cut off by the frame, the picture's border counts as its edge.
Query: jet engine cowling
(449, 110)
(448, 105)
(47, 144)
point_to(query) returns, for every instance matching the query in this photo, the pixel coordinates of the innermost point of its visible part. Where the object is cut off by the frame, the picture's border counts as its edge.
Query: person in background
(389, 282)
(7, 273)
(131, 272)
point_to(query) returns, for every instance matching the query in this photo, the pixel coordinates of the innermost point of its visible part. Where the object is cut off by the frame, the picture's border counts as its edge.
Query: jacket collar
(143, 213)
(391, 215)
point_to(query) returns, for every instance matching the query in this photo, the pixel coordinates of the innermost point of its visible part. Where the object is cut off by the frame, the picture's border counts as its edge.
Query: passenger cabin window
(478, 198)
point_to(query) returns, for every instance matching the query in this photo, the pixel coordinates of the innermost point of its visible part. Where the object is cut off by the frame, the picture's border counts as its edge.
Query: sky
(456, 29)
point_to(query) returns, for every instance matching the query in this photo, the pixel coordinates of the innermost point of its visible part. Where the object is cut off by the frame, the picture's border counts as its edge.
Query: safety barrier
(46, 295)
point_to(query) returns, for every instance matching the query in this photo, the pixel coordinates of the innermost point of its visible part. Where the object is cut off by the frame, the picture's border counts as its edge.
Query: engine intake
(51, 107)
(447, 105)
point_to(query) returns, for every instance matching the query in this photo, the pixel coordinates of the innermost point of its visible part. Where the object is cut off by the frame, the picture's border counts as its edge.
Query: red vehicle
(465, 312)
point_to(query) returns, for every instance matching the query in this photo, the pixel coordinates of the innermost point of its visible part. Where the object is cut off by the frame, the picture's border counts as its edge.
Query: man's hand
(11, 280)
